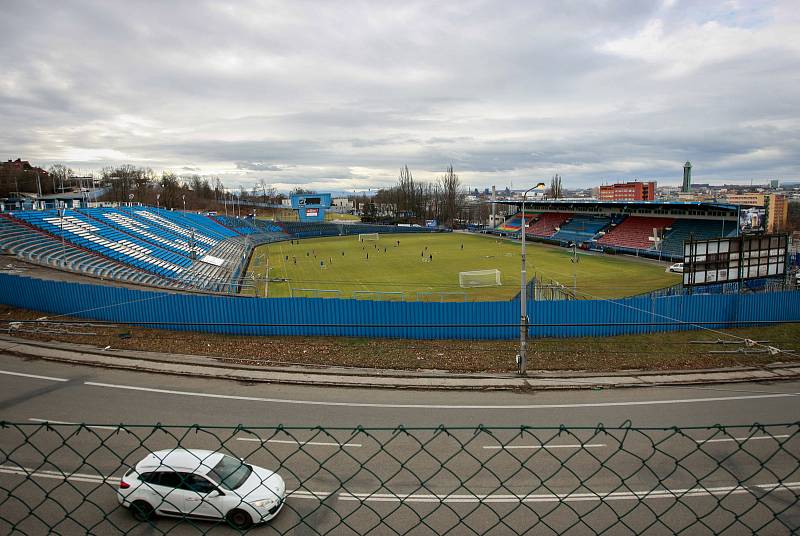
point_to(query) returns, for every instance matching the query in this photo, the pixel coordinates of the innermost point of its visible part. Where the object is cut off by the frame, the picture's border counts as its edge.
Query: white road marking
(567, 497)
(50, 421)
(439, 406)
(740, 439)
(112, 481)
(40, 473)
(292, 442)
(35, 376)
(576, 446)
(458, 498)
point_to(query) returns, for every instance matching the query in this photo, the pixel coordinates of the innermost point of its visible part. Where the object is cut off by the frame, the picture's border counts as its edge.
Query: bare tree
(60, 175)
(555, 187)
(170, 189)
(143, 183)
(267, 191)
(219, 189)
(452, 195)
(122, 180)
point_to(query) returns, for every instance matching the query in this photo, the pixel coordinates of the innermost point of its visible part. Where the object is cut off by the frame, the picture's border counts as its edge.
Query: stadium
(587, 261)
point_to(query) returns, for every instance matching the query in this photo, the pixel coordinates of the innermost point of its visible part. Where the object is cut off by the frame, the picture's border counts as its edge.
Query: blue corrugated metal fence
(412, 320)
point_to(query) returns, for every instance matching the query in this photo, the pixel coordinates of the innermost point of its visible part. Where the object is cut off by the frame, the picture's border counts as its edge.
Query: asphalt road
(581, 479)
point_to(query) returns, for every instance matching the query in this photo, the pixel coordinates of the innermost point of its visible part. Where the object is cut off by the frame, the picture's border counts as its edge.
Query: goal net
(479, 278)
(367, 236)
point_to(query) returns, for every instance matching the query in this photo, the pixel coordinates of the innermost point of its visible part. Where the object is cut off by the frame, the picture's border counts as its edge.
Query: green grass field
(385, 266)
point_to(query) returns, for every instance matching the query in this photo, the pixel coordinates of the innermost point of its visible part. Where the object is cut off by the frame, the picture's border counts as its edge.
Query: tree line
(33, 179)
(415, 201)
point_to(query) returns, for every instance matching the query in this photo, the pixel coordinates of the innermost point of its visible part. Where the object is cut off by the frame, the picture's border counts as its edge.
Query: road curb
(209, 367)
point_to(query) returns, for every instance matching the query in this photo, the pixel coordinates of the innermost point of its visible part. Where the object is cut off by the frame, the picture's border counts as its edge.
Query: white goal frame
(479, 278)
(368, 236)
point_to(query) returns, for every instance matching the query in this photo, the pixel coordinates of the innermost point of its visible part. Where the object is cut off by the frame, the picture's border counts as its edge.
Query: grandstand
(653, 229)
(153, 246)
(681, 230)
(637, 232)
(512, 224)
(249, 226)
(27, 243)
(580, 229)
(547, 224)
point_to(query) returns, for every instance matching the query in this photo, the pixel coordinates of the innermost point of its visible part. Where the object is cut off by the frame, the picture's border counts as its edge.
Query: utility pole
(61, 213)
(574, 268)
(523, 297)
(523, 292)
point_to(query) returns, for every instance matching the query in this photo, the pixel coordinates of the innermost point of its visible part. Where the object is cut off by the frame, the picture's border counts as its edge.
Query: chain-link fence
(123, 479)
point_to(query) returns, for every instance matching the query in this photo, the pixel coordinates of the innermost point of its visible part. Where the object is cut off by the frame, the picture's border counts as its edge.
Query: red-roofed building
(628, 191)
(20, 165)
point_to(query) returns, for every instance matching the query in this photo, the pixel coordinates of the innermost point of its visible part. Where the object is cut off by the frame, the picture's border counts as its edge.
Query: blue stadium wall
(412, 320)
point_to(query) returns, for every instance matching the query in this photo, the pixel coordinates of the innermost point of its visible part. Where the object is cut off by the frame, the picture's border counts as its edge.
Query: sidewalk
(210, 367)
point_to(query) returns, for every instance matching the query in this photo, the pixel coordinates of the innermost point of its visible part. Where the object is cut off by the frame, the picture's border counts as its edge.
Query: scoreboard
(722, 260)
(311, 207)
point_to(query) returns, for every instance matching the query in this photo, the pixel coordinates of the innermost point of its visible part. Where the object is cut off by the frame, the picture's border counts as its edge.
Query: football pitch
(425, 266)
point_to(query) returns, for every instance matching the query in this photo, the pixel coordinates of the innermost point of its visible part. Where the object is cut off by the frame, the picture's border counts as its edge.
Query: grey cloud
(260, 166)
(519, 89)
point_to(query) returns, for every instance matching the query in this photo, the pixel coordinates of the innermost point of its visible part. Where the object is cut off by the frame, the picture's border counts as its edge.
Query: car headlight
(264, 503)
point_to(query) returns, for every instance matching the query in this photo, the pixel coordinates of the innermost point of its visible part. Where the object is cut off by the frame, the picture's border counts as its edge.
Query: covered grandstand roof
(537, 204)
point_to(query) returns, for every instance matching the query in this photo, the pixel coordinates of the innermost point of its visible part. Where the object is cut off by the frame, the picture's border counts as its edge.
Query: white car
(677, 267)
(201, 484)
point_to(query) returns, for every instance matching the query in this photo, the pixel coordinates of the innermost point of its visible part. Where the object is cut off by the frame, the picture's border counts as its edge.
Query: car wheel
(142, 511)
(239, 519)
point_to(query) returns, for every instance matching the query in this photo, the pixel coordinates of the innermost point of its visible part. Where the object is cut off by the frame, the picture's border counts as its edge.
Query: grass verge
(663, 351)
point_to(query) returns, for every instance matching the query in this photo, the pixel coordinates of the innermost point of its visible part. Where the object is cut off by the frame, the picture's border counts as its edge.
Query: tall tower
(687, 177)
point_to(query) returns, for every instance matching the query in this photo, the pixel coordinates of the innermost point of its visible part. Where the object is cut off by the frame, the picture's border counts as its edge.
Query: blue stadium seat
(683, 229)
(94, 235)
(580, 229)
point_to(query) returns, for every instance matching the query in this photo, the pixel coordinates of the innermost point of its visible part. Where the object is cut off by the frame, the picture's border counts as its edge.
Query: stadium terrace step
(681, 230)
(514, 223)
(248, 226)
(635, 232)
(158, 237)
(96, 236)
(38, 246)
(546, 224)
(580, 229)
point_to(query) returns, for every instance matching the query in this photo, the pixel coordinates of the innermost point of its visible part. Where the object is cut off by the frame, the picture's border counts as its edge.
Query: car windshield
(230, 473)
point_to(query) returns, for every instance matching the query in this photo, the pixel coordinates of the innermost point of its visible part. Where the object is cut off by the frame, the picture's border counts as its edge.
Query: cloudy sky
(339, 95)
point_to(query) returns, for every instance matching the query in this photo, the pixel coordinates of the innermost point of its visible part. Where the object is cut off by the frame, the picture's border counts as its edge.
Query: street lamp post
(62, 212)
(523, 291)
(184, 202)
